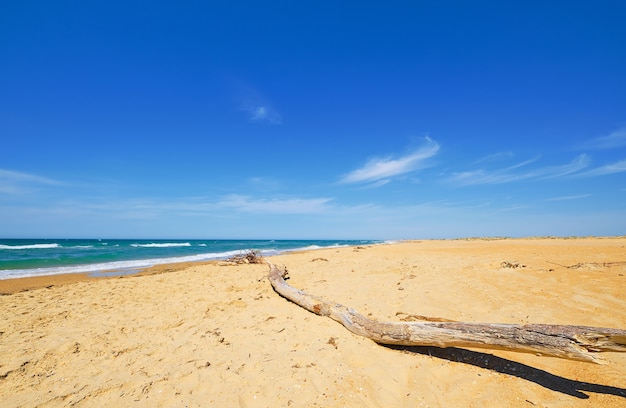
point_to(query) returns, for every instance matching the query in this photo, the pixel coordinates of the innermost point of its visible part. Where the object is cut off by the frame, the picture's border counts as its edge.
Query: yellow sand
(218, 336)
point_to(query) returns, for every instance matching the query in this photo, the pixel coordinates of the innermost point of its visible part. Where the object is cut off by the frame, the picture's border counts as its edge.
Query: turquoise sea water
(35, 257)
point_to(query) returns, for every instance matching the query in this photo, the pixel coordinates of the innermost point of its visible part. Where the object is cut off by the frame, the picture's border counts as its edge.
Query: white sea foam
(306, 248)
(164, 245)
(113, 266)
(33, 246)
(121, 266)
(313, 247)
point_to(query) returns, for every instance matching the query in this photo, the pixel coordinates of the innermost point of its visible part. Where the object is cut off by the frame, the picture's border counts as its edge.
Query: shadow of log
(519, 370)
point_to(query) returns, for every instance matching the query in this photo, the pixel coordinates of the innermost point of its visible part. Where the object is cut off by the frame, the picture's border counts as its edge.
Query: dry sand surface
(214, 335)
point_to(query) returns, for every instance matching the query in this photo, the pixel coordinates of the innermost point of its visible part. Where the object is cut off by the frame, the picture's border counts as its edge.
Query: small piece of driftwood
(570, 342)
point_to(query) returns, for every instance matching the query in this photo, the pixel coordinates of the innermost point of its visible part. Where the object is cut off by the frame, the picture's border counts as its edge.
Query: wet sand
(215, 334)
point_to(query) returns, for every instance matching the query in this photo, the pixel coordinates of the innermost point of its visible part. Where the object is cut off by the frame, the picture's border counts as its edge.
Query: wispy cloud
(495, 157)
(264, 184)
(519, 172)
(17, 176)
(263, 113)
(15, 182)
(204, 209)
(257, 105)
(379, 170)
(274, 205)
(379, 183)
(575, 165)
(617, 167)
(498, 176)
(567, 198)
(611, 141)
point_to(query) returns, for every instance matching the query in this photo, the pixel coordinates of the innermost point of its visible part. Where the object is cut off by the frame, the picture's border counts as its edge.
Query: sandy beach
(217, 335)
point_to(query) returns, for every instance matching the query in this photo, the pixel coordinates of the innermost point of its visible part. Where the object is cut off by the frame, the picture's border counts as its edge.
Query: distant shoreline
(19, 284)
(21, 258)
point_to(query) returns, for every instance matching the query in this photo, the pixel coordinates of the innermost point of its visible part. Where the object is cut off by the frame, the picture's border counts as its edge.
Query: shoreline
(32, 258)
(14, 285)
(216, 334)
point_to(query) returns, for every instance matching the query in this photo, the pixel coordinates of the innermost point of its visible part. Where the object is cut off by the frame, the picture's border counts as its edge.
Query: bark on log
(571, 342)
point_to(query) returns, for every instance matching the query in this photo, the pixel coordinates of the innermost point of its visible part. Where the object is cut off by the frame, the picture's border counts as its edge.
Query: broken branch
(571, 342)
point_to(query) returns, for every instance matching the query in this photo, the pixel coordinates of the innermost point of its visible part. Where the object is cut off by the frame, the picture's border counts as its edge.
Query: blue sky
(378, 120)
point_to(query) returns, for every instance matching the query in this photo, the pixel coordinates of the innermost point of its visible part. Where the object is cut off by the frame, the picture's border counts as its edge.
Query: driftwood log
(571, 342)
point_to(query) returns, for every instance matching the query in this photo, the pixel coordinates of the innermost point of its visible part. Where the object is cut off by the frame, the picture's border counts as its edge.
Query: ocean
(37, 257)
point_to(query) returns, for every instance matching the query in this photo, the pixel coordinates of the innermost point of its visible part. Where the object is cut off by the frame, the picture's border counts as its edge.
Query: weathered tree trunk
(572, 342)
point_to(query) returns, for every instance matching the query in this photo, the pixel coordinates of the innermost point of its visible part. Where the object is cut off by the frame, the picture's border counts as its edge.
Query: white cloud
(227, 205)
(495, 157)
(575, 165)
(275, 205)
(611, 141)
(512, 173)
(15, 182)
(617, 167)
(259, 113)
(16, 176)
(380, 183)
(257, 105)
(218, 207)
(264, 113)
(264, 184)
(380, 169)
(498, 176)
(567, 198)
